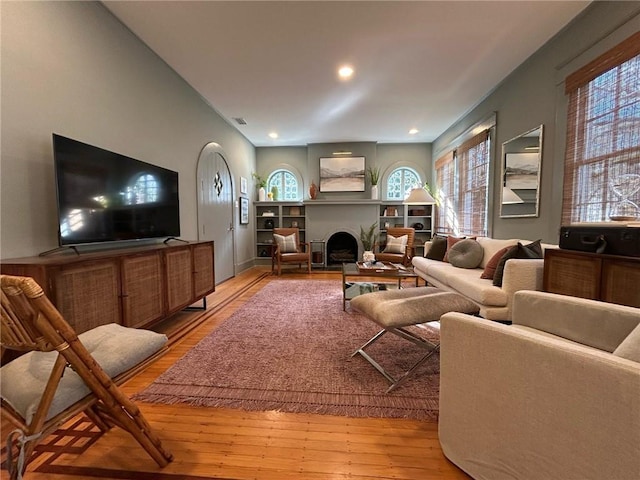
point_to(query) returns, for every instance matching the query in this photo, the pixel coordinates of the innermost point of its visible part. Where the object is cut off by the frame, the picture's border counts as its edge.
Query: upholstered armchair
(287, 248)
(398, 246)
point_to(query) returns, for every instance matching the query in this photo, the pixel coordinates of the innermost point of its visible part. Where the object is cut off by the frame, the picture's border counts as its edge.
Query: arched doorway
(215, 208)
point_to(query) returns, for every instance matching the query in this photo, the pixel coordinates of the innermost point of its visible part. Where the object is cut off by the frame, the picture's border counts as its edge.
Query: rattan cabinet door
(203, 271)
(88, 294)
(179, 278)
(142, 289)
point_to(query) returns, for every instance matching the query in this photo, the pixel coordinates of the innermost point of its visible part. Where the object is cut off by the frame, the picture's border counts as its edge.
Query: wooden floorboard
(234, 444)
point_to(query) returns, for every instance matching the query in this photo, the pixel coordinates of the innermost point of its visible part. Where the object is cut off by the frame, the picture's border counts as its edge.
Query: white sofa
(555, 395)
(494, 302)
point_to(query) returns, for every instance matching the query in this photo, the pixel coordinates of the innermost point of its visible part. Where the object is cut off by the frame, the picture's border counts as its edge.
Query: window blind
(603, 132)
(445, 185)
(473, 168)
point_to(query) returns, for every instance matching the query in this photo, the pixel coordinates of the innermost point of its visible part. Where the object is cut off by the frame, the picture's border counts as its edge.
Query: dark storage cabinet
(609, 278)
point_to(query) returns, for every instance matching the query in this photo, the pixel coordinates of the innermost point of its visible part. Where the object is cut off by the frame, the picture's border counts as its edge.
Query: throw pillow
(533, 250)
(396, 245)
(287, 244)
(437, 249)
(490, 268)
(466, 254)
(451, 241)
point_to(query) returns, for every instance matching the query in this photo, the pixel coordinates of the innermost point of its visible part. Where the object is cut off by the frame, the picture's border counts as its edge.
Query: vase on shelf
(313, 191)
(375, 195)
(262, 194)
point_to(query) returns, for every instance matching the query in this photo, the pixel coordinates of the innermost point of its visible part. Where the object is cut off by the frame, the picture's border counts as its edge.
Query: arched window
(145, 190)
(286, 183)
(400, 182)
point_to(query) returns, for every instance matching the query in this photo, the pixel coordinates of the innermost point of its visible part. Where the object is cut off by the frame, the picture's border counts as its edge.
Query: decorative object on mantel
(261, 183)
(274, 193)
(374, 177)
(313, 190)
(419, 196)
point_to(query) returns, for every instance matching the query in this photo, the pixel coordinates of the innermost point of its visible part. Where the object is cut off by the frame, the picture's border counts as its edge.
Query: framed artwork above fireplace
(342, 174)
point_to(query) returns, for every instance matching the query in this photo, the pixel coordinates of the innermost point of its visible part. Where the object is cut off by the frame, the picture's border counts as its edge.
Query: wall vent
(240, 120)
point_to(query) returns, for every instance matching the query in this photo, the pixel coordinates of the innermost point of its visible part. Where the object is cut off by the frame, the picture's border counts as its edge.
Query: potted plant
(374, 176)
(367, 237)
(261, 183)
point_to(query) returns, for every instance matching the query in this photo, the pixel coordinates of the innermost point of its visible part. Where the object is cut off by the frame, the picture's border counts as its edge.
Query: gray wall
(534, 94)
(74, 69)
(306, 162)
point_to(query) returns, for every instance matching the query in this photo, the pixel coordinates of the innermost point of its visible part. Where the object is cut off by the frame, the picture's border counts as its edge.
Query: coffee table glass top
(353, 288)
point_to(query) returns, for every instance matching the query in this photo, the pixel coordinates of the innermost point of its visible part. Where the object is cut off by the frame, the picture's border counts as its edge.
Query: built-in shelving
(270, 215)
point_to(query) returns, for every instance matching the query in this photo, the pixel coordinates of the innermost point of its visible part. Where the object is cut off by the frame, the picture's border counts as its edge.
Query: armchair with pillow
(289, 249)
(398, 246)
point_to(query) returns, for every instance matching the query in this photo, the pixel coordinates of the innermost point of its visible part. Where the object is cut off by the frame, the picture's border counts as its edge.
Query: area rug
(289, 349)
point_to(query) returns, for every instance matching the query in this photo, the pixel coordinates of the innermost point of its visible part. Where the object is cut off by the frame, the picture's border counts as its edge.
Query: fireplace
(342, 247)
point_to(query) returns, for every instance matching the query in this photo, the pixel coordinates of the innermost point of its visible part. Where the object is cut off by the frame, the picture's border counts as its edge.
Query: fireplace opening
(342, 247)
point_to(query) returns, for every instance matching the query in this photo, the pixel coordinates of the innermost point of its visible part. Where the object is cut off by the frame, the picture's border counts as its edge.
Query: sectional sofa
(495, 301)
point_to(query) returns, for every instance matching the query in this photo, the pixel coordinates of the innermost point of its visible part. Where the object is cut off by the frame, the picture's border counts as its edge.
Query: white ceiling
(420, 64)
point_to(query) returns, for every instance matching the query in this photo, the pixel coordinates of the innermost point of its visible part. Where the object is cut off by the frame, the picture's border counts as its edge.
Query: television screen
(104, 196)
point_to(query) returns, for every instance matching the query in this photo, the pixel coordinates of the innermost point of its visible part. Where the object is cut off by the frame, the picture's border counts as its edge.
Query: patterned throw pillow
(396, 245)
(287, 244)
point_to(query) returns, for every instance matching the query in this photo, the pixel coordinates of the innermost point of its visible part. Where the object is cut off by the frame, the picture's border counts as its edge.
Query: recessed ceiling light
(273, 135)
(413, 131)
(345, 72)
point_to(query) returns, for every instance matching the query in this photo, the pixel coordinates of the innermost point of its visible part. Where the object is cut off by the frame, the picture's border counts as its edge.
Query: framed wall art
(342, 174)
(244, 210)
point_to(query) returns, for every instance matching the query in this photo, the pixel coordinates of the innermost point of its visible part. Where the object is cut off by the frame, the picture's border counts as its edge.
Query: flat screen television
(103, 196)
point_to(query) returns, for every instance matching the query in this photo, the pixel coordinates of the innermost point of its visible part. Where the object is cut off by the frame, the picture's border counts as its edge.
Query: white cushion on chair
(396, 244)
(114, 347)
(287, 244)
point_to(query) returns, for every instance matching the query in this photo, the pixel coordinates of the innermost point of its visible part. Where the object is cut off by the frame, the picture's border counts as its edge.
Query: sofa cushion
(396, 244)
(630, 346)
(492, 245)
(600, 325)
(532, 250)
(287, 244)
(466, 254)
(114, 347)
(437, 249)
(477, 289)
(490, 268)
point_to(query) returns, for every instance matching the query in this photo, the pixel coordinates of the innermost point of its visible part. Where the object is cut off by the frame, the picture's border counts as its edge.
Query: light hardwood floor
(234, 444)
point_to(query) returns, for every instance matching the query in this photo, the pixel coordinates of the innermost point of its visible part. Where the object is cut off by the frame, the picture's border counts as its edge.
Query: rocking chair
(62, 374)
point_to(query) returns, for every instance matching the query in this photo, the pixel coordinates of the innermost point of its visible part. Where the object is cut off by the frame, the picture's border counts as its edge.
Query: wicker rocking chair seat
(114, 347)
